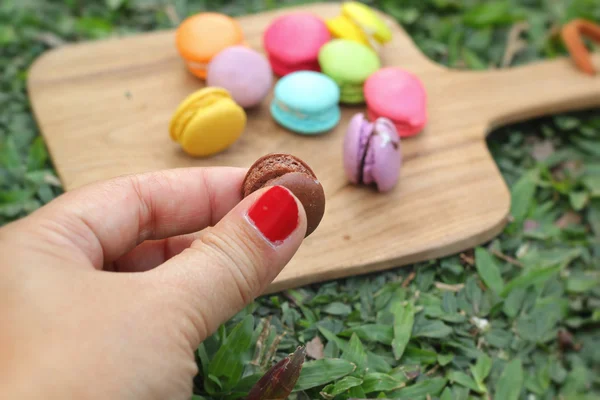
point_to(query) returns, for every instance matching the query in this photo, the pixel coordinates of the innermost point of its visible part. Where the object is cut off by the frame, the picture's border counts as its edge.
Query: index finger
(106, 220)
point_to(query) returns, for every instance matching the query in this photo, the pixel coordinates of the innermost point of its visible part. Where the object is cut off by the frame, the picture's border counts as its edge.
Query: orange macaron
(202, 36)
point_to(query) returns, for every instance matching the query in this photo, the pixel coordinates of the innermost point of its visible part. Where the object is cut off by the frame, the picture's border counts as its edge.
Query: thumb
(230, 264)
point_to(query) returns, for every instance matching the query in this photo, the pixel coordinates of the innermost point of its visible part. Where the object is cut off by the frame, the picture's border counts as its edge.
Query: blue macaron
(306, 102)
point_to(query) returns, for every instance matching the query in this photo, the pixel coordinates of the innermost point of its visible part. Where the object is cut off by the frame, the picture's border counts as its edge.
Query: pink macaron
(399, 96)
(293, 41)
(372, 154)
(244, 72)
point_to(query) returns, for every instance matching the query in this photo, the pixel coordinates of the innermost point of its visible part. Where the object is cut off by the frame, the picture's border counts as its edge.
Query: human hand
(108, 290)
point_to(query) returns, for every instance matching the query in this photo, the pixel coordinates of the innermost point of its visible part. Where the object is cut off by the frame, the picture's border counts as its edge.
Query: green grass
(516, 319)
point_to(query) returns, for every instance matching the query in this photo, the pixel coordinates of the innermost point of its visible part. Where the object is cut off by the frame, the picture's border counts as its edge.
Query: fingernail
(275, 214)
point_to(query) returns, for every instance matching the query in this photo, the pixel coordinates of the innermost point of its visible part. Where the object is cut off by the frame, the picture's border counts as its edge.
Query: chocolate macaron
(294, 174)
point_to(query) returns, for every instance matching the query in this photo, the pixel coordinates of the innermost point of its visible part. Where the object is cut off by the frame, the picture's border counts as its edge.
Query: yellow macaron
(342, 27)
(207, 122)
(360, 23)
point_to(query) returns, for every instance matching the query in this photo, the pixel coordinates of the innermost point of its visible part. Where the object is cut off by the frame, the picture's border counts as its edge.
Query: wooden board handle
(509, 95)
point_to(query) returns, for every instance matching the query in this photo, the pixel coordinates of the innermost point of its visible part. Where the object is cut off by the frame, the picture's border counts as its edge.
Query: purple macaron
(244, 73)
(372, 153)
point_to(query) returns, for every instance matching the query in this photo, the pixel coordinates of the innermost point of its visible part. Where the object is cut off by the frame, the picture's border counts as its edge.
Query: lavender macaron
(372, 153)
(244, 72)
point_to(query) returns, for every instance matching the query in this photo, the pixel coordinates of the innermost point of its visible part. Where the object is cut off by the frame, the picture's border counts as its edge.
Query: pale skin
(106, 292)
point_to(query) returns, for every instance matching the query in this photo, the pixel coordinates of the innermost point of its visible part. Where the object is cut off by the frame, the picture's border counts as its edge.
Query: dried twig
(514, 43)
(272, 349)
(260, 342)
(467, 259)
(172, 14)
(50, 39)
(409, 279)
(432, 370)
(506, 258)
(452, 288)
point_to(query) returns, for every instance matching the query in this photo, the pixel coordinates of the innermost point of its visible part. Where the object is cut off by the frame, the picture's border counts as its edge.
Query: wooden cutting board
(104, 109)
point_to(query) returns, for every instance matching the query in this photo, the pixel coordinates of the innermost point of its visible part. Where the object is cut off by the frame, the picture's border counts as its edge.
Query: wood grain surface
(104, 109)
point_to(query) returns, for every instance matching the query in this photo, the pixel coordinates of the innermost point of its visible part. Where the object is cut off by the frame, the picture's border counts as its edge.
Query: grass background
(515, 319)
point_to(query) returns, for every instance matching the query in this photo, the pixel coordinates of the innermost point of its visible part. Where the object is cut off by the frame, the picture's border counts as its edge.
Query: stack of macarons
(317, 64)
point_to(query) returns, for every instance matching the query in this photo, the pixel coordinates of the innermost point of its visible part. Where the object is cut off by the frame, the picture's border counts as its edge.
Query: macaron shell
(347, 61)
(355, 141)
(281, 39)
(367, 19)
(384, 158)
(404, 129)
(213, 128)
(305, 125)
(269, 167)
(307, 91)
(281, 68)
(352, 94)
(306, 102)
(245, 73)
(398, 95)
(310, 193)
(190, 105)
(341, 27)
(203, 35)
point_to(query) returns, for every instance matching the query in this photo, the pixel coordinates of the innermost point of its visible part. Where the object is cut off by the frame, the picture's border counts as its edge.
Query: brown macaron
(285, 170)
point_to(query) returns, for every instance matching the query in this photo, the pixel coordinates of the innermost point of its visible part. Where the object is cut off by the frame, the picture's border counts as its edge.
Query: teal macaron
(349, 64)
(306, 102)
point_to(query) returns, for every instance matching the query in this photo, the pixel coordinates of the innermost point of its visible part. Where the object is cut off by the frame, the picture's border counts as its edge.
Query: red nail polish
(275, 214)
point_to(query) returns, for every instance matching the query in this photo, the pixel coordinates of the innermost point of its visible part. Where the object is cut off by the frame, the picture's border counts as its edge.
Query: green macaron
(349, 64)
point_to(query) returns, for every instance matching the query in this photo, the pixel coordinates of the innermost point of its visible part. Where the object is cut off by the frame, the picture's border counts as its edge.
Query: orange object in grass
(572, 33)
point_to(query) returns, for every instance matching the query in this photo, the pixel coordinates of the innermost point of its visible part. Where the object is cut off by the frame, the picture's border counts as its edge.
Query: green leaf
(377, 363)
(578, 200)
(343, 385)
(472, 60)
(415, 355)
(566, 122)
(372, 333)
(403, 326)
(510, 383)
(420, 390)
(376, 382)
(94, 27)
(582, 283)
(447, 394)
(592, 183)
(355, 353)
(8, 35)
(463, 379)
(522, 193)
(114, 4)
(320, 372)
(37, 155)
(432, 329)
(490, 13)
(514, 302)
(481, 370)
(332, 337)
(9, 155)
(337, 308)
(228, 363)
(445, 359)
(488, 270)
(531, 277)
